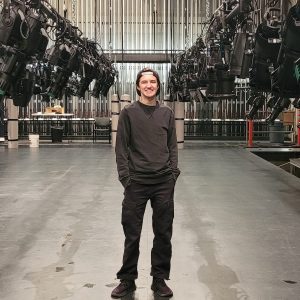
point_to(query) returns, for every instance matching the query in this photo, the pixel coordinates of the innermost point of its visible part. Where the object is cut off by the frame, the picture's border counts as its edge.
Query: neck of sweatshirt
(149, 102)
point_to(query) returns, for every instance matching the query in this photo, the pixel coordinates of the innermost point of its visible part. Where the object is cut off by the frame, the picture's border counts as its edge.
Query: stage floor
(236, 227)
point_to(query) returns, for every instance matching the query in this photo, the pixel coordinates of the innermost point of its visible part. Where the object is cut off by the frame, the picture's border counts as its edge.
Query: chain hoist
(207, 9)
(186, 26)
(74, 5)
(110, 47)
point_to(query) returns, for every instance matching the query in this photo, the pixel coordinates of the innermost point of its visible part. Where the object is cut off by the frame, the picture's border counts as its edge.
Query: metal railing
(72, 128)
(222, 129)
(76, 128)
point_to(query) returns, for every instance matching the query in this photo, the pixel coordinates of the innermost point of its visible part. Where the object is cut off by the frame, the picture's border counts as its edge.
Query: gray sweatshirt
(146, 145)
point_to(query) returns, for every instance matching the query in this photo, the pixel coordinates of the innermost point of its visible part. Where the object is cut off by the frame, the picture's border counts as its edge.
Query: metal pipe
(141, 26)
(150, 23)
(180, 13)
(127, 28)
(12, 124)
(179, 123)
(125, 99)
(115, 112)
(136, 43)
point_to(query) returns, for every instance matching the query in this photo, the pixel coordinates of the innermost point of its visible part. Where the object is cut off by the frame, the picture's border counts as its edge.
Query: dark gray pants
(162, 202)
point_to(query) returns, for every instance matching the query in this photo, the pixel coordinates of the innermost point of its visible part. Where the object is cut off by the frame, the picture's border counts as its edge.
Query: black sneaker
(160, 288)
(125, 287)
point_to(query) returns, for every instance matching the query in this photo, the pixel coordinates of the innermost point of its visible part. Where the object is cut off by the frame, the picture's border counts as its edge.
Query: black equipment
(208, 69)
(28, 68)
(22, 39)
(285, 83)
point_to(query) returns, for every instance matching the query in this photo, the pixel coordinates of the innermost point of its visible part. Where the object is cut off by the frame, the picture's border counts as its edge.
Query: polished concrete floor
(236, 231)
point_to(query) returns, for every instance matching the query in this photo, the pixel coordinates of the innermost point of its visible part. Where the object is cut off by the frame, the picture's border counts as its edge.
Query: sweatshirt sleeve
(172, 145)
(122, 145)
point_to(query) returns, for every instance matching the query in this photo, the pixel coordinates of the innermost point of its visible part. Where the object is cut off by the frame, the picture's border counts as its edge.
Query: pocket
(126, 182)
